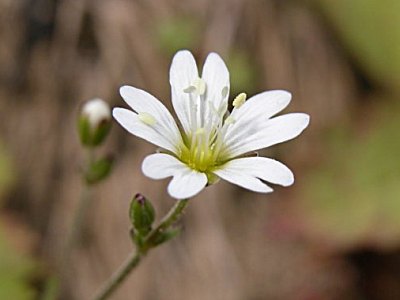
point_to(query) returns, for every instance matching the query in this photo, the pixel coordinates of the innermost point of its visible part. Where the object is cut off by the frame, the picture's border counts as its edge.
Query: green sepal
(84, 130)
(100, 133)
(142, 215)
(99, 170)
(92, 137)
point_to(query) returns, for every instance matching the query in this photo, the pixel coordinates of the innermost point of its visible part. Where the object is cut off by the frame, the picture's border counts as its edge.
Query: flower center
(209, 125)
(203, 141)
(198, 152)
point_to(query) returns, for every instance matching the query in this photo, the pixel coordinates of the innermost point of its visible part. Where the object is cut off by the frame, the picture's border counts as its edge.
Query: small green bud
(99, 169)
(94, 122)
(142, 215)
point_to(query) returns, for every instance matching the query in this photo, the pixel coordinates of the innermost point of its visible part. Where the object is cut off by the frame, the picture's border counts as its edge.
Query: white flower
(96, 110)
(210, 142)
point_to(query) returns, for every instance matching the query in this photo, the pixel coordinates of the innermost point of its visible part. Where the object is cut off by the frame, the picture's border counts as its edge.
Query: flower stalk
(149, 242)
(81, 212)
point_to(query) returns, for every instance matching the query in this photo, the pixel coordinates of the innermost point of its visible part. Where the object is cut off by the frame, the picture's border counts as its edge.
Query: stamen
(229, 120)
(239, 100)
(193, 113)
(200, 86)
(208, 124)
(189, 89)
(147, 118)
(223, 109)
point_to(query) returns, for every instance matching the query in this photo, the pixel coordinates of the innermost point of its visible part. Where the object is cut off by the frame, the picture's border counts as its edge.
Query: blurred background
(334, 235)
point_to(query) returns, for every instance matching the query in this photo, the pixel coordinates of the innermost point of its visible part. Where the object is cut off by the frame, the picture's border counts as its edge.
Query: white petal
(264, 168)
(154, 134)
(261, 106)
(216, 75)
(182, 74)
(253, 114)
(141, 101)
(186, 184)
(161, 165)
(265, 134)
(235, 176)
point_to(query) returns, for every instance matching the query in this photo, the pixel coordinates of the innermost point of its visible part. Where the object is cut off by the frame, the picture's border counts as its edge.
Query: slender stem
(53, 285)
(170, 218)
(78, 221)
(118, 277)
(133, 260)
(80, 213)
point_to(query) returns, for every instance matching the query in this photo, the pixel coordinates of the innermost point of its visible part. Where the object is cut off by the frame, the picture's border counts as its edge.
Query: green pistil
(199, 154)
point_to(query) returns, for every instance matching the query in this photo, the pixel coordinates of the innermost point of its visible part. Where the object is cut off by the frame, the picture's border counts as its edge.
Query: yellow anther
(229, 120)
(239, 100)
(147, 118)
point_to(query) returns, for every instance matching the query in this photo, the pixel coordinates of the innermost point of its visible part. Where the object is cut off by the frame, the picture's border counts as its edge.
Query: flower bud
(142, 214)
(94, 122)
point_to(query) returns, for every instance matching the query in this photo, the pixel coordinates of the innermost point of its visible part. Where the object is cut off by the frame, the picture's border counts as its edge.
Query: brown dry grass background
(54, 55)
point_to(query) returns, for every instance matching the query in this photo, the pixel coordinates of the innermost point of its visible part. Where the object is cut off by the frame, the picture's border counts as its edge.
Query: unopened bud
(142, 214)
(94, 122)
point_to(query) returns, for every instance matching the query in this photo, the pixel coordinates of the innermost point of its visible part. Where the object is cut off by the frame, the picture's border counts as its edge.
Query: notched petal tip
(160, 166)
(114, 112)
(118, 112)
(148, 168)
(126, 92)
